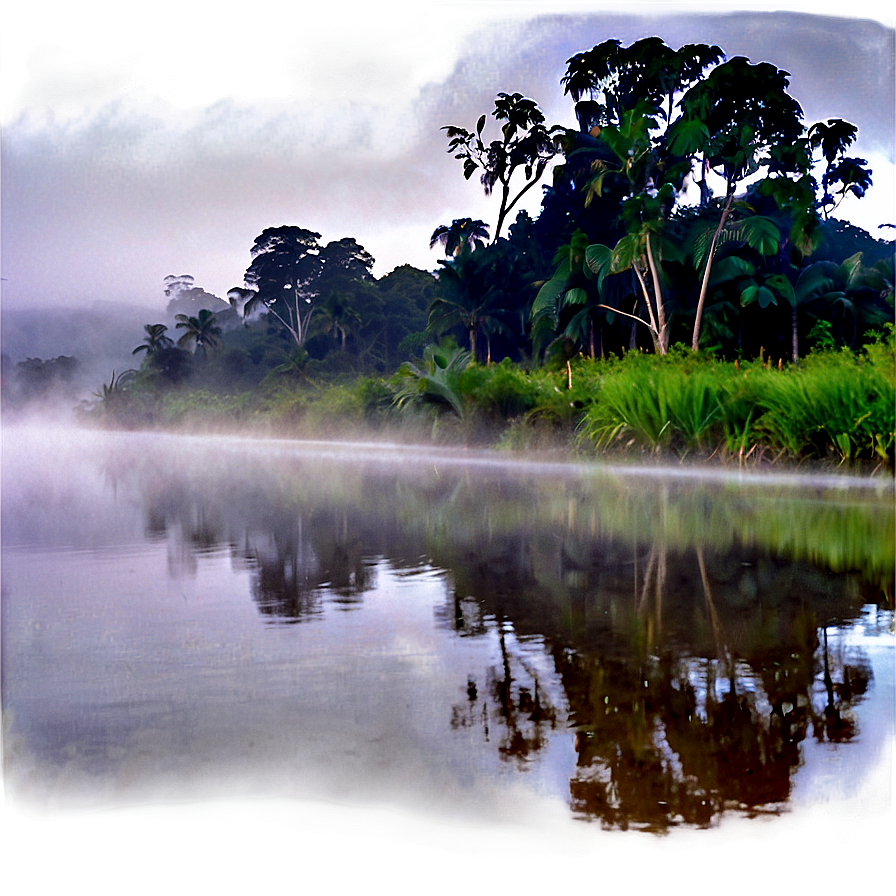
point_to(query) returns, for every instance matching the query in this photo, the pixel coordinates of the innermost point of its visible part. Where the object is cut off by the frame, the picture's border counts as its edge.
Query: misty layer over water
(191, 617)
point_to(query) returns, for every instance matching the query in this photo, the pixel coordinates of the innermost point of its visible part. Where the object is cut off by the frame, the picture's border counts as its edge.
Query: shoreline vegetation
(833, 411)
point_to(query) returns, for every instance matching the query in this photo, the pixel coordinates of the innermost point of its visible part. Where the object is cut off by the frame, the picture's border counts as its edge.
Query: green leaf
(575, 296)
(687, 136)
(626, 253)
(761, 234)
(782, 286)
(731, 268)
(815, 281)
(548, 296)
(599, 259)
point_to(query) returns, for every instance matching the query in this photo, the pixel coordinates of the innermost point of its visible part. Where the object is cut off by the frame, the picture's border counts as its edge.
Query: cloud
(66, 92)
(368, 74)
(192, 56)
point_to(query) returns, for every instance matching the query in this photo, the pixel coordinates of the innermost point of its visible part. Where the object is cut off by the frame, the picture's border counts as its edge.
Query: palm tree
(201, 331)
(338, 317)
(463, 235)
(469, 300)
(155, 340)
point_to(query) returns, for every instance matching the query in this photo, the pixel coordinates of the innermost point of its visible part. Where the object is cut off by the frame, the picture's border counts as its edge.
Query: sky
(161, 139)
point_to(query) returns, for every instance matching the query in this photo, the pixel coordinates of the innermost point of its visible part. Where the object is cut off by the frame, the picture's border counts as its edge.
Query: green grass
(834, 405)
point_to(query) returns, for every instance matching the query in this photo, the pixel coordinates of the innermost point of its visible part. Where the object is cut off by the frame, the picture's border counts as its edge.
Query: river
(423, 640)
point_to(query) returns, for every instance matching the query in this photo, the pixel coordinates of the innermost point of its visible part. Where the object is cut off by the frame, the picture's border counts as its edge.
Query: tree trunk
(695, 341)
(662, 336)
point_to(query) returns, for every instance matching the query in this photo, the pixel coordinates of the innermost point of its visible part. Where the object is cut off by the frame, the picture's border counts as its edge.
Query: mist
(123, 187)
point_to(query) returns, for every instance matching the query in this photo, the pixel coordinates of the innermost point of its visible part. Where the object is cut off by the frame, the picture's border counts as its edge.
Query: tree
(665, 117)
(652, 186)
(463, 234)
(338, 316)
(154, 341)
(343, 264)
(846, 294)
(616, 78)
(290, 270)
(284, 271)
(397, 330)
(633, 94)
(737, 120)
(833, 137)
(569, 289)
(472, 297)
(201, 331)
(526, 147)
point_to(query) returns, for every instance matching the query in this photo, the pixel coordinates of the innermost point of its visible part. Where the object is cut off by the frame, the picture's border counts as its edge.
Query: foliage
(462, 235)
(155, 340)
(835, 405)
(526, 146)
(432, 381)
(114, 398)
(202, 331)
(37, 379)
(617, 261)
(290, 269)
(501, 391)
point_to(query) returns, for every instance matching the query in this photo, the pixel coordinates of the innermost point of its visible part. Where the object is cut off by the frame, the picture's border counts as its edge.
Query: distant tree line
(36, 380)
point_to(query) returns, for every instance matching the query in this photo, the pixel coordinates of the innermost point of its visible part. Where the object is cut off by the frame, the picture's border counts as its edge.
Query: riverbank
(832, 412)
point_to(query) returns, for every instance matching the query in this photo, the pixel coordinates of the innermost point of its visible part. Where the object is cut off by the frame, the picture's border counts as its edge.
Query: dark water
(445, 635)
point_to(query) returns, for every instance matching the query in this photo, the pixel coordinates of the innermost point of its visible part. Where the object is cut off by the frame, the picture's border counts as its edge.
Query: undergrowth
(833, 406)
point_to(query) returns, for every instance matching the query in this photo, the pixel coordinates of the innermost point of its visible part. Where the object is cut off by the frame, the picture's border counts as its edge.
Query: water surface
(445, 633)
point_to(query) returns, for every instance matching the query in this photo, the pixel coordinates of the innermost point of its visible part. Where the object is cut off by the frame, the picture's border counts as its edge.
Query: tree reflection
(515, 701)
(689, 690)
(687, 639)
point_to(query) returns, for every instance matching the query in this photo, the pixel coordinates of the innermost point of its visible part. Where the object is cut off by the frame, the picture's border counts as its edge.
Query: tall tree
(731, 122)
(473, 297)
(338, 317)
(154, 341)
(284, 272)
(633, 93)
(526, 146)
(290, 270)
(842, 175)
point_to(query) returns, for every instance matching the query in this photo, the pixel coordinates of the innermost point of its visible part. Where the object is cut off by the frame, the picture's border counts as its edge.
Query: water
(463, 641)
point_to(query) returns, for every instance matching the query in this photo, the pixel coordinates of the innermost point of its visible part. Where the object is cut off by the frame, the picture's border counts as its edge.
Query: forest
(685, 289)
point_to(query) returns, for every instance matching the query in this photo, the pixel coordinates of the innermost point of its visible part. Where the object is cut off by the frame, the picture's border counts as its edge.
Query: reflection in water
(687, 637)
